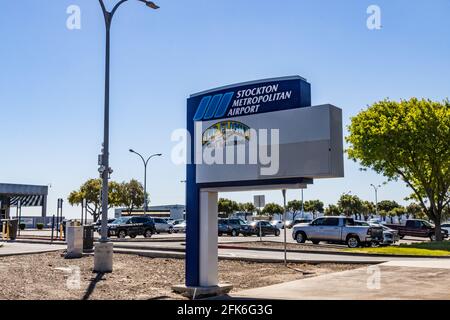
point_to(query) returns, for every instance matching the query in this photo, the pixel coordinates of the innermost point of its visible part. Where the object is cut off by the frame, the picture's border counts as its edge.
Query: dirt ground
(51, 277)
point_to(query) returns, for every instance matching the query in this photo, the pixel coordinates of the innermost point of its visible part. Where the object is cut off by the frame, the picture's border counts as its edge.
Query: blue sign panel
(251, 98)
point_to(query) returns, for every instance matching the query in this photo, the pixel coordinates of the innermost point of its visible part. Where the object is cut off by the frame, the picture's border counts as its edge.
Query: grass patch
(429, 249)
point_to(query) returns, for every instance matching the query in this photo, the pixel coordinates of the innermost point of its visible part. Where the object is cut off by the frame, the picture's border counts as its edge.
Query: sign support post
(284, 226)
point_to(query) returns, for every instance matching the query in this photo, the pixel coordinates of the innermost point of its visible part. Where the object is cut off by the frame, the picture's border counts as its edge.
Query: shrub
(39, 226)
(22, 226)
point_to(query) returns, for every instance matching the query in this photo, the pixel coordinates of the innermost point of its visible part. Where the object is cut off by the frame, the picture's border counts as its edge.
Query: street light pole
(376, 197)
(105, 171)
(145, 175)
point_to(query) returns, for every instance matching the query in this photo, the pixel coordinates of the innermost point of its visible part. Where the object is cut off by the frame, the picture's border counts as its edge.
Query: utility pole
(376, 197)
(284, 226)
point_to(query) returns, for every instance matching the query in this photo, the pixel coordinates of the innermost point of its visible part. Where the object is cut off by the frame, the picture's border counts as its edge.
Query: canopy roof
(28, 195)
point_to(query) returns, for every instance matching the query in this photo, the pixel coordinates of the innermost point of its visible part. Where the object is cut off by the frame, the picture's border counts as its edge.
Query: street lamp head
(150, 4)
(159, 154)
(131, 150)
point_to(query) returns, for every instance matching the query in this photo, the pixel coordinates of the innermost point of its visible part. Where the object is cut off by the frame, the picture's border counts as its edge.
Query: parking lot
(222, 239)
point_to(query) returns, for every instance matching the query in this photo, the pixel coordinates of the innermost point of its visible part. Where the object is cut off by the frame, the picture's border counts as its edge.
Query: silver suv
(337, 230)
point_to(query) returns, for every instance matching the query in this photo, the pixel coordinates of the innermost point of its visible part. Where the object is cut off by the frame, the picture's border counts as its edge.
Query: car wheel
(401, 236)
(170, 230)
(300, 237)
(234, 233)
(122, 234)
(220, 234)
(277, 233)
(148, 233)
(132, 236)
(353, 242)
(433, 237)
(315, 242)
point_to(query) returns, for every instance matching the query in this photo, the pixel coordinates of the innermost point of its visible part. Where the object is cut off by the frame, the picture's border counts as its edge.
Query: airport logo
(213, 106)
(243, 102)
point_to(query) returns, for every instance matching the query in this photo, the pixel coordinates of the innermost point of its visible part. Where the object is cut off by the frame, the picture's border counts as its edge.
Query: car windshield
(426, 223)
(120, 221)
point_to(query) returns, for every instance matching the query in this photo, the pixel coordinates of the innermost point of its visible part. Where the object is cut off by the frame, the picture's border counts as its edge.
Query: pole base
(103, 257)
(202, 292)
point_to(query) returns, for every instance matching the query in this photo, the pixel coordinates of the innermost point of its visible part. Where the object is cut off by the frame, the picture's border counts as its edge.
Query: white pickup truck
(337, 230)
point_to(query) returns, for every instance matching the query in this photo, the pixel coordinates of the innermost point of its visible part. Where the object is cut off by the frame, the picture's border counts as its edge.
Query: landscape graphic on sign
(225, 132)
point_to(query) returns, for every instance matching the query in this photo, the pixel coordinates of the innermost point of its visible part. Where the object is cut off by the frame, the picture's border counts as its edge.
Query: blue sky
(51, 78)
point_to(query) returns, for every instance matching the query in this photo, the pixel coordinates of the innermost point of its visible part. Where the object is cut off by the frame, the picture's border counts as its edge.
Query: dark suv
(233, 227)
(132, 227)
(262, 228)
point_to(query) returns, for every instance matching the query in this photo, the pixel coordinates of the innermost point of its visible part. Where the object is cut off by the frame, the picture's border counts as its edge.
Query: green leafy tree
(407, 140)
(248, 207)
(272, 208)
(415, 210)
(227, 206)
(367, 209)
(350, 204)
(295, 206)
(91, 191)
(397, 212)
(131, 195)
(332, 210)
(387, 205)
(314, 206)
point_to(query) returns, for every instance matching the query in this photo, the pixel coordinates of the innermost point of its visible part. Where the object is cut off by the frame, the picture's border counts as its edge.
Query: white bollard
(103, 257)
(74, 238)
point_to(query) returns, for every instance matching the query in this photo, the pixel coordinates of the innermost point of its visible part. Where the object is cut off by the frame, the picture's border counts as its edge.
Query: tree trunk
(437, 223)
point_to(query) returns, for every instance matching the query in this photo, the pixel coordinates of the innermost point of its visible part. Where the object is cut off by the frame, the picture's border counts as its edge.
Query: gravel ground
(50, 277)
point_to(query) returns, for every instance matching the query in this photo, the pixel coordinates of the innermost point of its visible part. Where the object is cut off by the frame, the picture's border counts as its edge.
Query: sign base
(202, 292)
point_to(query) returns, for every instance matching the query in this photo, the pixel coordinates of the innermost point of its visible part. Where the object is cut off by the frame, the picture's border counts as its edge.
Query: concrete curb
(360, 254)
(149, 248)
(28, 253)
(40, 241)
(179, 255)
(226, 246)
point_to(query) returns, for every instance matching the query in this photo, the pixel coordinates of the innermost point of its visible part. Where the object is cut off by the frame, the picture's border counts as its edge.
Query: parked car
(375, 221)
(179, 226)
(262, 228)
(175, 222)
(277, 223)
(390, 236)
(98, 224)
(446, 226)
(233, 227)
(132, 227)
(337, 230)
(291, 223)
(417, 228)
(162, 225)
